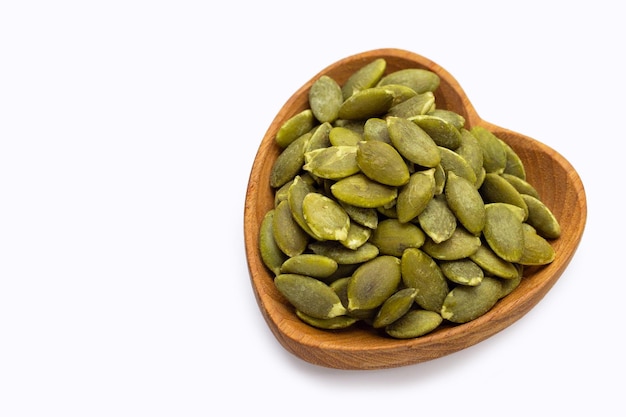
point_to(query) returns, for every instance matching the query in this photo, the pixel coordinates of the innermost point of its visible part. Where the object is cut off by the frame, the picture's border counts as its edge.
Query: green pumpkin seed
(325, 217)
(335, 323)
(537, 250)
(470, 151)
(357, 236)
(414, 106)
(295, 197)
(373, 282)
(503, 232)
(310, 296)
(414, 323)
(494, 153)
(412, 142)
(343, 255)
(461, 244)
(453, 162)
(394, 307)
(449, 116)
(508, 285)
(360, 191)
(295, 127)
(541, 218)
(440, 179)
(376, 129)
(437, 220)
(496, 189)
(420, 271)
(320, 138)
(401, 93)
(521, 185)
(513, 165)
(325, 99)
(371, 102)
(462, 271)
(365, 77)
(442, 132)
(289, 162)
(271, 254)
(344, 136)
(366, 217)
(309, 264)
(392, 237)
(380, 162)
(289, 236)
(334, 162)
(465, 303)
(466, 203)
(415, 196)
(492, 264)
(420, 80)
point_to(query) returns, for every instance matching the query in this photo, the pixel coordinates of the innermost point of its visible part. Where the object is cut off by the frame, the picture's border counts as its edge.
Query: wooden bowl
(550, 173)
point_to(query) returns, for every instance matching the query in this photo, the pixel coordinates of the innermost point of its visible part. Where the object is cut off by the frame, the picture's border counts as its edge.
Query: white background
(127, 134)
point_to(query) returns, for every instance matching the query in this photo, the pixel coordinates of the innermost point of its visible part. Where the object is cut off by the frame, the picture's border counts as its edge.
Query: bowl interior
(360, 347)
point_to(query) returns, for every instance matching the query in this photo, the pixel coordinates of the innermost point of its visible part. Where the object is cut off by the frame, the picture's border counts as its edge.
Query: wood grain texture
(551, 174)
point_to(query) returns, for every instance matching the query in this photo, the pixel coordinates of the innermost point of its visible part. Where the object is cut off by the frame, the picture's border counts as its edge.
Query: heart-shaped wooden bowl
(551, 174)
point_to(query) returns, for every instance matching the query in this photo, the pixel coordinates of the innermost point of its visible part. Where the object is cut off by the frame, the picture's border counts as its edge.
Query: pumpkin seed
(462, 271)
(344, 136)
(320, 138)
(334, 162)
(541, 218)
(271, 254)
(466, 203)
(453, 162)
(309, 264)
(343, 255)
(496, 189)
(288, 235)
(325, 217)
(521, 185)
(415, 196)
(295, 197)
(442, 132)
(449, 116)
(394, 307)
(460, 245)
(373, 282)
(508, 285)
(392, 237)
(310, 296)
(492, 264)
(420, 271)
(325, 99)
(494, 153)
(360, 191)
(465, 303)
(537, 250)
(380, 162)
(335, 323)
(371, 102)
(414, 106)
(503, 232)
(289, 162)
(294, 127)
(365, 77)
(412, 142)
(400, 93)
(413, 324)
(376, 129)
(514, 165)
(420, 80)
(437, 220)
(472, 153)
(366, 217)
(357, 236)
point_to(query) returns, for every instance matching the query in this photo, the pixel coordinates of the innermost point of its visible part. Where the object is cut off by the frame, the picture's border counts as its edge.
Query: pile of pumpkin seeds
(390, 212)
